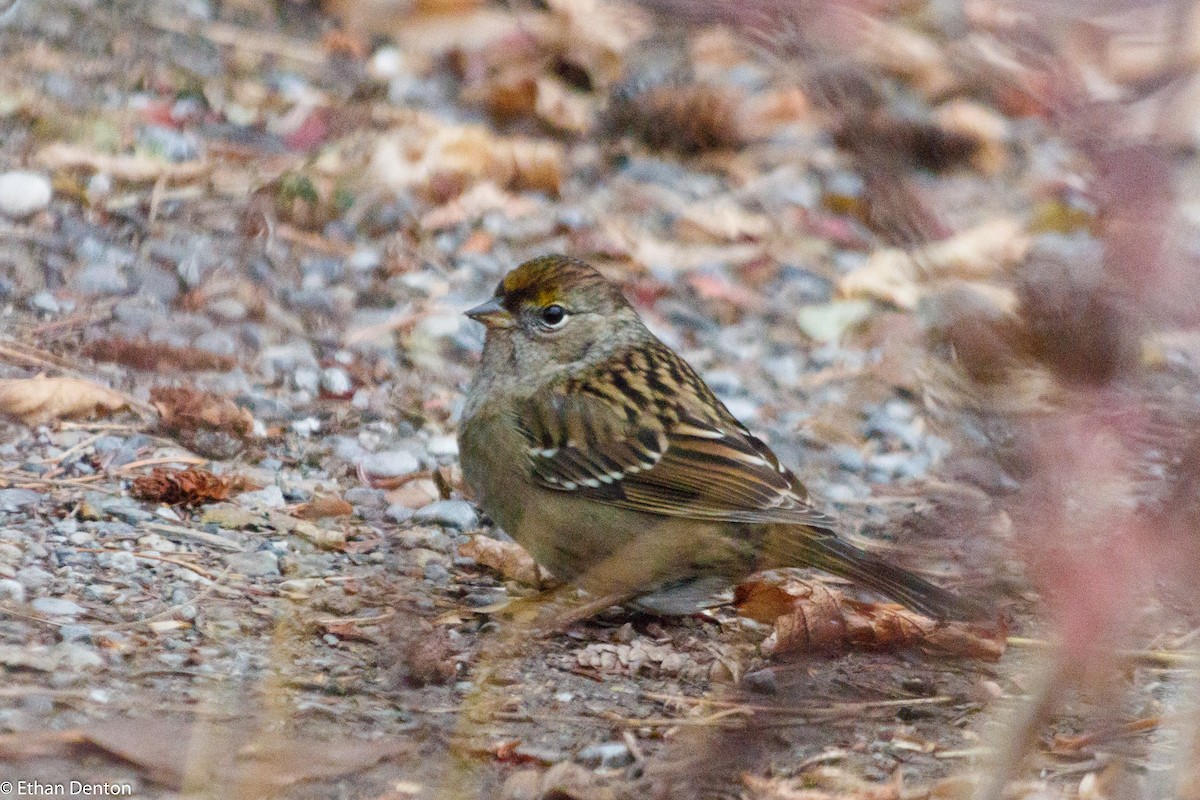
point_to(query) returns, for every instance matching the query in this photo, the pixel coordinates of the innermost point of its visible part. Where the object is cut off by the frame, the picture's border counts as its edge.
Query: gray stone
(100, 279)
(335, 381)
(173, 660)
(218, 342)
(34, 577)
(229, 309)
(75, 633)
(172, 144)
(45, 301)
(267, 497)
(255, 564)
(364, 496)
(56, 607)
(16, 499)
(437, 574)
(390, 463)
(399, 512)
(364, 259)
(451, 513)
(12, 590)
(443, 446)
(347, 448)
(606, 755)
(132, 516)
(120, 561)
(306, 380)
(79, 656)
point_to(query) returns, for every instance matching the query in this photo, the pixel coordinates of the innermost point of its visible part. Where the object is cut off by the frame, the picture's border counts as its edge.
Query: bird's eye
(554, 316)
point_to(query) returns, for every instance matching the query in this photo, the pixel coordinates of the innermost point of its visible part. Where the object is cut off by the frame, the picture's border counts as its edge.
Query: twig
(150, 557)
(199, 536)
(253, 41)
(151, 462)
(33, 357)
(836, 708)
(1157, 658)
(205, 592)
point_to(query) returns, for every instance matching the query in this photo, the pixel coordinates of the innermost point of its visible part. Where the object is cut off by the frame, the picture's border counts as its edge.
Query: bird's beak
(492, 314)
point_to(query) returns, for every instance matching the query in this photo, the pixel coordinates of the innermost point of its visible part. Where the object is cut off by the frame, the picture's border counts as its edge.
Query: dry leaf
(36, 401)
(129, 168)
(431, 154)
(898, 276)
(508, 558)
(324, 507)
(189, 487)
(157, 356)
(809, 615)
(562, 108)
(184, 408)
(718, 221)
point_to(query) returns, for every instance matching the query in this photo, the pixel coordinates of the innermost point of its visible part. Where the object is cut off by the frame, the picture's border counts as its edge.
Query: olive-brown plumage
(599, 449)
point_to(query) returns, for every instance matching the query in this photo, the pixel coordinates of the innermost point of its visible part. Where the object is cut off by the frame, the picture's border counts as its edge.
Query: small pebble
(307, 426)
(34, 577)
(16, 499)
(75, 633)
(23, 194)
(390, 464)
(255, 564)
(399, 512)
(267, 497)
(335, 381)
(451, 513)
(606, 755)
(11, 590)
(121, 562)
(56, 607)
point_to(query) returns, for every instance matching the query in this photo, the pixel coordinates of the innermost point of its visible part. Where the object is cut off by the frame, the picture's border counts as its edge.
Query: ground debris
(36, 401)
(811, 616)
(187, 487)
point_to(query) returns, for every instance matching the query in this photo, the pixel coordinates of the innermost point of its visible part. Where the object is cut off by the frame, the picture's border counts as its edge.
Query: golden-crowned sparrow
(598, 448)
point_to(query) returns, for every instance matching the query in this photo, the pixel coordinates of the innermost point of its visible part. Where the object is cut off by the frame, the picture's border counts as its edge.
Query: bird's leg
(589, 609)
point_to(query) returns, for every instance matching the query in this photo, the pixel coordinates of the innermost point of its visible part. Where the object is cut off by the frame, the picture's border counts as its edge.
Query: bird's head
(557, 307)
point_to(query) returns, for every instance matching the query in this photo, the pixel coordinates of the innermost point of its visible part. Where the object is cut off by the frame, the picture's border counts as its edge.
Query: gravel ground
(320, 286)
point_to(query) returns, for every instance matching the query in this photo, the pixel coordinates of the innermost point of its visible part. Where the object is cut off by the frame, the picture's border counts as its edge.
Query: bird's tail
(803, 546)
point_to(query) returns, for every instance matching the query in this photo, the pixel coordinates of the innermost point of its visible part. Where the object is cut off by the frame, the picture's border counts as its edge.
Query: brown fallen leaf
(508, 558)
(206, 423)
(185, 408)
(157, 356)
(36, 401)
(428, 154)
(347, 629)
(189, 487)
(811, 616)
(323, 507)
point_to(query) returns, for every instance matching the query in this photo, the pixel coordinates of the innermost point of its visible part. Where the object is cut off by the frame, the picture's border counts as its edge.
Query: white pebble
(23, 193)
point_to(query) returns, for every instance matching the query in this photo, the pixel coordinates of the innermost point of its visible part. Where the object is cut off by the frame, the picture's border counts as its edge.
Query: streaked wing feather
(678, 454)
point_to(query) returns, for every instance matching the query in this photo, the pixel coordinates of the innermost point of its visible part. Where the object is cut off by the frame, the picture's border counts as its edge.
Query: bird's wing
(643, 431)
